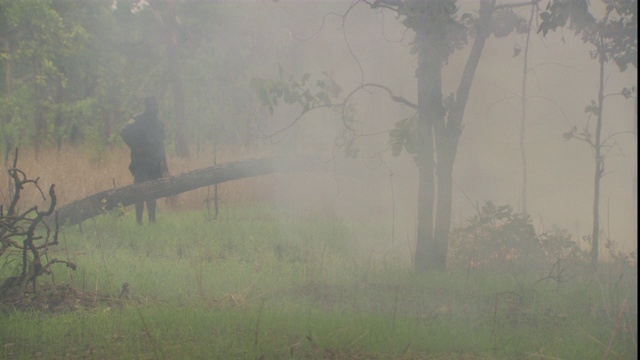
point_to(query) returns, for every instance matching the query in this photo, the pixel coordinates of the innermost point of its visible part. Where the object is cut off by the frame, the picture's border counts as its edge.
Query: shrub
(498, 236)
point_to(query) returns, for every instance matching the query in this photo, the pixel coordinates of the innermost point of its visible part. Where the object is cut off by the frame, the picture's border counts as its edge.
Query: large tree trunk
(444, 176)
(424, 234)
(429, 109)
(96, 204)
(447, 138)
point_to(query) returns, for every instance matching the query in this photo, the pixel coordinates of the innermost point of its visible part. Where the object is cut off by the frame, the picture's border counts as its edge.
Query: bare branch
(395, 98)
(393, 5)
(344, 35)
(555, 64)
(514, 5)
(398, 99)
(299, 117)
(15, 226)
(319, 30)
(605, 140)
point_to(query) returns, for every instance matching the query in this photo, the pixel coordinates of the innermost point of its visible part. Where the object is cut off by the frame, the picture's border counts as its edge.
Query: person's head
(151, 105)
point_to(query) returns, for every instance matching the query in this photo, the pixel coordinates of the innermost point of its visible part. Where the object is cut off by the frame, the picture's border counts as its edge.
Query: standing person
(144, 134)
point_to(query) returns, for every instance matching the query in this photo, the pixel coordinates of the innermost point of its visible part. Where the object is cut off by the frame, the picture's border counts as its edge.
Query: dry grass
(77, 173)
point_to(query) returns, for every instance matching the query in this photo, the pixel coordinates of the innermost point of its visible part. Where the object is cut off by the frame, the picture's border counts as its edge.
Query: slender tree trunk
(59, 120)
(523, 117)
(39, 120)
(181, 141)
(8, 67)
(8, 80)
(168, 26)
(599, 170)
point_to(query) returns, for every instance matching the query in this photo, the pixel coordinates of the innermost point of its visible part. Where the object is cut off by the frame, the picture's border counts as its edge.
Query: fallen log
(88, 207)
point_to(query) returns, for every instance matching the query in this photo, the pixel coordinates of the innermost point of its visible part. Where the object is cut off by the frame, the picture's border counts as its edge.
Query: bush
(497, 237)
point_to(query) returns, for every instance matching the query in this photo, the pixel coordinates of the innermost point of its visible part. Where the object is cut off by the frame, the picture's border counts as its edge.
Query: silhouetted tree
(432, 135)
(614, 38)
(440, 32)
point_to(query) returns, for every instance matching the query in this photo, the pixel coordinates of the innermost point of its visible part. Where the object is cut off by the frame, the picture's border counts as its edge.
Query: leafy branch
(322, 94)
(585, 134)
(325, 92)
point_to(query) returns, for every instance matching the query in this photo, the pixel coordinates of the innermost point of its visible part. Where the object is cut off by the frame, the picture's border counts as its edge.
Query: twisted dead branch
(27, 233)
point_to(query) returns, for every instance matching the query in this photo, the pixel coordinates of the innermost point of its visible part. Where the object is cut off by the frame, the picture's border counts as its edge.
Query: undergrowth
(263, 282)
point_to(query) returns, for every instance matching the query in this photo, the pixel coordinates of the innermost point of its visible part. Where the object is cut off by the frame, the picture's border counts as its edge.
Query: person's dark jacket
(144, 134)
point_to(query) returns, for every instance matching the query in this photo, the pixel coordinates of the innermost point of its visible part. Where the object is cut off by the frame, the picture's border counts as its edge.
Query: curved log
(83, 209)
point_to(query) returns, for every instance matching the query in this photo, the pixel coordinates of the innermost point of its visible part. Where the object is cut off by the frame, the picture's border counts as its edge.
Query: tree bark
(447, 137)
(430, 109)
(444, 176)
(101, 202)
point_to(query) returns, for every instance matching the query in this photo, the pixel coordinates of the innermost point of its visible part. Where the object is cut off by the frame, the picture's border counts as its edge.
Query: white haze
(488, 164)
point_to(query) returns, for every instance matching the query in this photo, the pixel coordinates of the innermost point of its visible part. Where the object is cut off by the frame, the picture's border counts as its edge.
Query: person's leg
(151, 204)
(139, 209)
(138, 178)
(151, 210)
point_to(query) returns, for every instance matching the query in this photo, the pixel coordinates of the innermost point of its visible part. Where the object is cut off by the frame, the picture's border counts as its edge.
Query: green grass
(268, 283)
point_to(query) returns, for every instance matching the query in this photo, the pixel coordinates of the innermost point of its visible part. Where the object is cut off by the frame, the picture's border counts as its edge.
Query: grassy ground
(251, 285)
(269, 282)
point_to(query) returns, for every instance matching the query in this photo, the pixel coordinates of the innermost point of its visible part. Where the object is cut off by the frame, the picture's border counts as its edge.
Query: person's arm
(128, 133)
